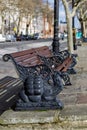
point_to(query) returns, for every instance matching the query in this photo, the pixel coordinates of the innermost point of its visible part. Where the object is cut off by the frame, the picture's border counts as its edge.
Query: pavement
(74, 97)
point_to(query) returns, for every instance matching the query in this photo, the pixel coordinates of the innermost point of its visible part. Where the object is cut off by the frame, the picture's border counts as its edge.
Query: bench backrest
(26, 59)
(9, 92)
(30, 57)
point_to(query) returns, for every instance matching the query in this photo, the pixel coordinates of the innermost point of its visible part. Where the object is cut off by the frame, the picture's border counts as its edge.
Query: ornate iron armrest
(53, 61)
(64, 54)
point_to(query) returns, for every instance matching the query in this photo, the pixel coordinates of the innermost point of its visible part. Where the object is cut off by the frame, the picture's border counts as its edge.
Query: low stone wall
(70, 118)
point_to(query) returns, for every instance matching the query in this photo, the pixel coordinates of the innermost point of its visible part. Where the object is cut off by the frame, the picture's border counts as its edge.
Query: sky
(61, 11)
(62, 16)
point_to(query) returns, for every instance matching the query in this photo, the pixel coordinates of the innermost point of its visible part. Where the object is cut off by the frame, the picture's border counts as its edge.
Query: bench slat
(25, 52)
(22, 53)
(30, 62)
(64, 66)
(9, 90)
(30, 58)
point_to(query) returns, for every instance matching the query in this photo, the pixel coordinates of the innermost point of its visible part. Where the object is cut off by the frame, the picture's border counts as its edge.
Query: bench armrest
(64, 54)
(53, 61)
(7, 57)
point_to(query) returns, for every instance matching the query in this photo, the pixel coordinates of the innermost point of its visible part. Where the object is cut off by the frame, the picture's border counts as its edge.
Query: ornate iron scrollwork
(52, 63)
(39, 90)
(42, 83)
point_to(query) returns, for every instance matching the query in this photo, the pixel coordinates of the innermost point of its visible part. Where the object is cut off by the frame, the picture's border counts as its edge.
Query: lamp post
(55, 44)
(9, 22)
(9, 17)
(5, 26)
(73, 17)
(74, 31)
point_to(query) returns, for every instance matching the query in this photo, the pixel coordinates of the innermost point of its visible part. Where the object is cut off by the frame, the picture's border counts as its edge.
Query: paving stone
(81, 98)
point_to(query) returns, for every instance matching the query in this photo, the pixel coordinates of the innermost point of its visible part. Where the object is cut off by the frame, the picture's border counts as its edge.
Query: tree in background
(3, 9)
(47, 14)
(70, 13)
(82, 16)
(17, 10)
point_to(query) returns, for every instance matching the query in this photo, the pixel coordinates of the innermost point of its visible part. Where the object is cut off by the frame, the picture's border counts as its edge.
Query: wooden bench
(9, 92)
(30, 61)
(42, 73)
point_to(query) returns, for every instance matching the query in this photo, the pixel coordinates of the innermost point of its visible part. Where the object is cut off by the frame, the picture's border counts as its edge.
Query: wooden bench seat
(9, 92)
(26, 60)
(29, 58)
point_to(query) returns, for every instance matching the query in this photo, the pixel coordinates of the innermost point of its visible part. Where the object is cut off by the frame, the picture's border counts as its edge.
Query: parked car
(78, 35)
(23, 37)
(26, 37)
(37, 36)
(2, 38)
(18, 38)
(84, 39)
(10, 38)
(61, 36)
(65, 35)
(29, 37)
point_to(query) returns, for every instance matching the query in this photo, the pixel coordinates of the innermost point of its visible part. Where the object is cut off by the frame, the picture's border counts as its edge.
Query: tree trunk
(49, 29)
(84, 29)
(18, 26)
(2, 27)
(70, 36)
(44, 30)
(29, 18)
(69, 26)
(27, 29)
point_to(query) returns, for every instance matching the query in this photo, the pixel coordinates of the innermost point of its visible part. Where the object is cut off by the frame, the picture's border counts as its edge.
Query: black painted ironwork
(52, 63)
(57, 60)
(42, 82)
(41, 88)
(41, 93)
(71, 69)
(73, 29)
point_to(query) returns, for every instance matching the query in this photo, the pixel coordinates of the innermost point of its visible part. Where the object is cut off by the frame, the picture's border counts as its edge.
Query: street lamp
(9, 18)
(5, 26)
(73, 28)
(9, 22)
(55, 44)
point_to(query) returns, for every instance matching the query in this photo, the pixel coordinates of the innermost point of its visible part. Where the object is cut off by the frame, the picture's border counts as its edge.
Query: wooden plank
(28, 56)
(25, 52)
(64, 66)
(9, 92)
(21, 53)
